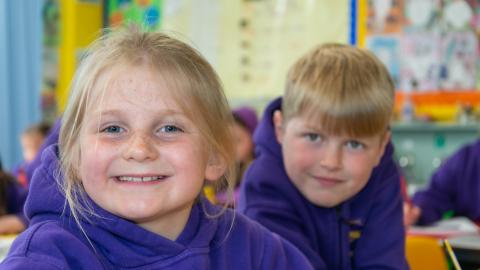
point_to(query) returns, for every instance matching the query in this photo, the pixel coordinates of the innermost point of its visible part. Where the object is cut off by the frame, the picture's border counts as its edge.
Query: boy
(324, 177)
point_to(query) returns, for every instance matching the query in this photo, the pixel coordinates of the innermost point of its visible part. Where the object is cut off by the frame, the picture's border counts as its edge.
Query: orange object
(425, 253)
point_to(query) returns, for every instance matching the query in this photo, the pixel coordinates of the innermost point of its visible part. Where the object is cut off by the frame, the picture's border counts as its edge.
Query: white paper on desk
(5, 243)
(465, 242)
(447, 228)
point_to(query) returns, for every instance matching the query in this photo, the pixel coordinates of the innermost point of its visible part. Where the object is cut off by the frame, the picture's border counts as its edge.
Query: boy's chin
(326, 200)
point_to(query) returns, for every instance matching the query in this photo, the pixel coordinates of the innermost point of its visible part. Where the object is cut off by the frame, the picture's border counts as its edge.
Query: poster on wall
(387, 48)
(420, 62)
(422, 15)
(458, 60)
(146, 12)
(252, 44)
(50, 59)
(459, 15)
(385, 16)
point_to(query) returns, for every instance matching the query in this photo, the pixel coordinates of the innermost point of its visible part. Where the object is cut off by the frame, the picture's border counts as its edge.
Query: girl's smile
(142, 158)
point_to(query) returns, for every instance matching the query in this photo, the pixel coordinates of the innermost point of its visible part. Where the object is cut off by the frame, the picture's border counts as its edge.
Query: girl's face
(141, 157)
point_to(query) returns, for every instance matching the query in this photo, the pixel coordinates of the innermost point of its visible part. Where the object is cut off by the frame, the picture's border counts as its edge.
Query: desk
(463, 235)
(5, 243)
(467, 250)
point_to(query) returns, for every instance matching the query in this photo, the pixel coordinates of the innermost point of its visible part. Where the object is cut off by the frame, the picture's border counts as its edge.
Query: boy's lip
(328, 181)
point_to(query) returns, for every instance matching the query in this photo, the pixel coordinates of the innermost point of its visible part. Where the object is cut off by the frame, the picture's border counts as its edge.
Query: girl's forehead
(134, 85)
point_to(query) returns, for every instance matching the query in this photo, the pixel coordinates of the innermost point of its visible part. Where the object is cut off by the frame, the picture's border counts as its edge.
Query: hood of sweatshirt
(121, 242)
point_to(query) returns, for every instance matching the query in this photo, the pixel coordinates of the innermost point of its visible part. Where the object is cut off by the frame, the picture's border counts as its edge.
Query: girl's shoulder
(46, 245)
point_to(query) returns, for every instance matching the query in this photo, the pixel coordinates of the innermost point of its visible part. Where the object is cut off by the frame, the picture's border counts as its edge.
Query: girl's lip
(140, 179)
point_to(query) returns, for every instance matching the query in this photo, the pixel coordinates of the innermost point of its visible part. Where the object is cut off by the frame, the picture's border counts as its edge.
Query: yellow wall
(80, 24)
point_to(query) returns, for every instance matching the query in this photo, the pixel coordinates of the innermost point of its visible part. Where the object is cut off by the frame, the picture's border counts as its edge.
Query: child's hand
(11, 224)
(411, 213)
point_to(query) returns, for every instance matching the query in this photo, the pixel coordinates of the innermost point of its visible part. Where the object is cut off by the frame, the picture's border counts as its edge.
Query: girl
(143, 130)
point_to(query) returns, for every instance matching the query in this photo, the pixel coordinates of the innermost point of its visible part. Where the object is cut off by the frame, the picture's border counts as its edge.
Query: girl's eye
(313, 137)
(355, 145)
(113, 129)
(170, 129)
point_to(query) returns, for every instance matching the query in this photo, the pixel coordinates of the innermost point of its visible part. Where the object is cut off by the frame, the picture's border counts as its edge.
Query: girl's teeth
(139, 179)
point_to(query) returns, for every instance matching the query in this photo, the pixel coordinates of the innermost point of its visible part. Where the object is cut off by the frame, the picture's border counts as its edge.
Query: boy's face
(327, 169)
(142, 158)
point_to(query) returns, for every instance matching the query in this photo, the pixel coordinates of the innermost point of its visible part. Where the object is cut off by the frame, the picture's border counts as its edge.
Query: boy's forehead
(335, 127)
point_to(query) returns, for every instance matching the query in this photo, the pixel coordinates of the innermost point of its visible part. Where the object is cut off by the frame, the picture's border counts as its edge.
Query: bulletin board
(50, 59)
(146, 12)
(431, 49)
(251, 44)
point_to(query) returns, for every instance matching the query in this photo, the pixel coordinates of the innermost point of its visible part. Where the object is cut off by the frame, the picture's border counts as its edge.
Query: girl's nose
(140, 148)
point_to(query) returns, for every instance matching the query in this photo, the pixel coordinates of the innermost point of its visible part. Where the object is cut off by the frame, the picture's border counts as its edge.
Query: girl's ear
(278, 125)
(216, 167)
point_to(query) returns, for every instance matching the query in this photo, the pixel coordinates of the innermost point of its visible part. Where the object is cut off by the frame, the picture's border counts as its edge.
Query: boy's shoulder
(265, 248)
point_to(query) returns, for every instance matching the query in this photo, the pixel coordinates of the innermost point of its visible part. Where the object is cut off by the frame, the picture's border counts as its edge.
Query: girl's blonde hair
(346, 89)
(193, 82)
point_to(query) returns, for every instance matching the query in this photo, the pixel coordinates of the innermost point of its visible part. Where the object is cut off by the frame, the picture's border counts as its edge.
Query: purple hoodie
(365, 232)
(455, 186)
(54, 240)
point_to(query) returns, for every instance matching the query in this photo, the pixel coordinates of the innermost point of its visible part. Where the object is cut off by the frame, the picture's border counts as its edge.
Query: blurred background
(430, 47)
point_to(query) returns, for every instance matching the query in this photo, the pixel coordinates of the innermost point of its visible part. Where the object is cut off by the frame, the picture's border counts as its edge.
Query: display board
(430, 47)
(251, 44)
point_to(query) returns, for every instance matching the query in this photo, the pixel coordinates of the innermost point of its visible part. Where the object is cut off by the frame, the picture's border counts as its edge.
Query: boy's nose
(331, 157)
(140, 148)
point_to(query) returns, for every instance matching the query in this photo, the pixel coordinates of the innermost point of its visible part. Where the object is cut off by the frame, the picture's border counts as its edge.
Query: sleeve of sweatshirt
(439, 195)
(279, 254)
(23, 263)
(382, 241)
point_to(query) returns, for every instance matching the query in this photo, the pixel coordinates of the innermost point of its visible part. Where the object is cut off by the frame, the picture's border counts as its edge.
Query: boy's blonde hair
(194, 85)
(346, 89)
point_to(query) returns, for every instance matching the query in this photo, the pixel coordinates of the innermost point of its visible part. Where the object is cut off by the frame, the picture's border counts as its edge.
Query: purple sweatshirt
(365, 232)
(54, 240)
(455, 186)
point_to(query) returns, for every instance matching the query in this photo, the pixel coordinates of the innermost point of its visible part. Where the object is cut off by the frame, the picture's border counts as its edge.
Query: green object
(146, 13)
(448, 214)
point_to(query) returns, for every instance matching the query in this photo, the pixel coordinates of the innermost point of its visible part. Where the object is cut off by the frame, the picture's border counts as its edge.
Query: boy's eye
(313, 137)
(355, 144)
(113, 129)
(170, 129)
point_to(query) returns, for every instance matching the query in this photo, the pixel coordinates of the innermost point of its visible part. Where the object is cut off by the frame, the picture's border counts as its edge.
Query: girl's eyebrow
(117, 112)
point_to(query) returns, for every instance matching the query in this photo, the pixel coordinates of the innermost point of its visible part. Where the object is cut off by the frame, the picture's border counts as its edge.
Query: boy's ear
(216, 167)
(383, 144)
(278, 125)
